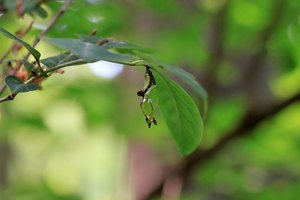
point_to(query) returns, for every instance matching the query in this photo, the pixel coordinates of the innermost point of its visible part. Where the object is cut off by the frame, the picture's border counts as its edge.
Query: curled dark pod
(146, 102)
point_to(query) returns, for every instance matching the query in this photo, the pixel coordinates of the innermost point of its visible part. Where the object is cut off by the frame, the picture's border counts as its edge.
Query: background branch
(216, 37)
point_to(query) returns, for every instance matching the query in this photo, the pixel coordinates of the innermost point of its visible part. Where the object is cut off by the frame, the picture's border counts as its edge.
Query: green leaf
(41, 12)
(17, 86)
(62, 59)
(90, 38)
(190, 80)
(28, 6)
(186, 77)
(91, 52)
(29, 66)
(125, 46)
(117, 45)
(180, 113)
(32, 50)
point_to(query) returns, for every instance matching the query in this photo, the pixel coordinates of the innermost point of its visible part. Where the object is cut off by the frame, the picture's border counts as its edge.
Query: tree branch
(55, 18)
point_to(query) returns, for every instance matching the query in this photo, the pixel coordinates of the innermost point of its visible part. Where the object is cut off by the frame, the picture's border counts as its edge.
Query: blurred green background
(84, 136)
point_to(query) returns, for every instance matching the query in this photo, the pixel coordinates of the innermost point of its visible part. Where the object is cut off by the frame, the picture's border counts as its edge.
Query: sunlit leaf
(180, 113)
(17, 86)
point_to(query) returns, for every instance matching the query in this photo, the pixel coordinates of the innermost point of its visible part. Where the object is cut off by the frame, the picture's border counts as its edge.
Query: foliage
(84, 137)
(91, 49)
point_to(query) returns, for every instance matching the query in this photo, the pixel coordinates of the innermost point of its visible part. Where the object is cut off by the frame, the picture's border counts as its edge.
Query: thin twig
(216, 48)
(55, 18)
(24, 33)
(73, 62)
(2, 59)
(32, 79)
(8, 98)
(2, 89)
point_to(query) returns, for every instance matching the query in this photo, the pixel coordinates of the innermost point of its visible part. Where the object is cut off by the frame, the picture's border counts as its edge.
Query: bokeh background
(84, 137)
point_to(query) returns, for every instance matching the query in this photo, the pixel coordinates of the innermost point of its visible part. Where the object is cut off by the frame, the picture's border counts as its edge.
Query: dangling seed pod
(149, 82)
(146, 102)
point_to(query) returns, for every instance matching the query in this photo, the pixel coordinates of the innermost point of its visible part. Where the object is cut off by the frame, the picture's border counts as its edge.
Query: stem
(2, 88)
(73, 62)
(8, 98)
(52, 69)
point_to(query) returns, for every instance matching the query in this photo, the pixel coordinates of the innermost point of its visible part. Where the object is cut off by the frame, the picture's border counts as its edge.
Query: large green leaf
(17, 86)
(190, 80)
(32, 50)
(91, 52)
(180, 113)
